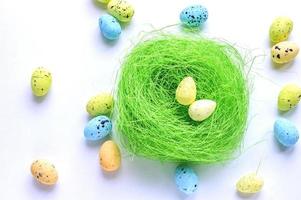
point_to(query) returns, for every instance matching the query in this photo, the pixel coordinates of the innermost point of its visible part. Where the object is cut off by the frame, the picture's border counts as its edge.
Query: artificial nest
(152, 124)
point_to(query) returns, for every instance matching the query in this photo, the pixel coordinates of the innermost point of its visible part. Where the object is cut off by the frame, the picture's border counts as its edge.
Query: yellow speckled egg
(121, 9)
(109, 156)
(249, 184)
(284, 52)
(289, 97)
(44, 172)
(280, 29)
(40, 81)
(101, 104)
(201, 109)
(186, 91)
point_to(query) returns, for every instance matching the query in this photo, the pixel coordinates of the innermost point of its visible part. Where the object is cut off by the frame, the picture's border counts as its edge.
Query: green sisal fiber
(152, 124)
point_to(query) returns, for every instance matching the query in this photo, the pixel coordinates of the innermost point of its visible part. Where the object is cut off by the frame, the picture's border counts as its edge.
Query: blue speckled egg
(109, 27)
(194, 16)
(286, 132)
(186, 179)
(98, 128)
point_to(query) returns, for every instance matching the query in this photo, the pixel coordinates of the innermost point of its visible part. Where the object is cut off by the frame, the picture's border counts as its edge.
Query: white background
(64, 37)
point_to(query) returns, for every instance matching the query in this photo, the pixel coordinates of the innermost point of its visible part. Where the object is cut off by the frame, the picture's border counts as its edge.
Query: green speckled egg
(289, 97)
(40, 81)
(121, 9)
(101, 104)
(280, 29)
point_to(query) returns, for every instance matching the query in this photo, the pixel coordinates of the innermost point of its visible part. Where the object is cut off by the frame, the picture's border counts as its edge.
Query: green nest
(152, 124)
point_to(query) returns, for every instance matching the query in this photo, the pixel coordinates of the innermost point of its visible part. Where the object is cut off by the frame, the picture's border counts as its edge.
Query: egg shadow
(192, 30)
(92, 144)
(110, 175)
(281, 67)
(39, 99)
(183, 196)
(41, 187)
(270, 43)
(281, 148)
(96, 143)
(248, 195)
(124, 24)
(88, 118)
(287, 113)
(107, 42)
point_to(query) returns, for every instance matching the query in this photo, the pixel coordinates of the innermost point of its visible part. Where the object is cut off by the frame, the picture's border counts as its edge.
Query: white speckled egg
(201, 109)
